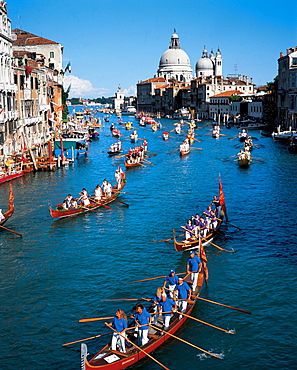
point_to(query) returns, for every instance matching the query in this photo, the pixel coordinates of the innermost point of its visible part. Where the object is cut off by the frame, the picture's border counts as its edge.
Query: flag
(68, 89)
(204, 262)
(1, 111)
(222, 199)
(68, 68)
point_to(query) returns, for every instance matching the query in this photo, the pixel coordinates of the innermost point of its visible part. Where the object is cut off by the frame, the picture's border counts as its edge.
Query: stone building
(8, 89)
(287, 89)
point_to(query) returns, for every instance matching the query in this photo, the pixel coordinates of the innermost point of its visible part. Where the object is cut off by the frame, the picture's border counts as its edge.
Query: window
(294, 61)
(52, 54)
(51, 65)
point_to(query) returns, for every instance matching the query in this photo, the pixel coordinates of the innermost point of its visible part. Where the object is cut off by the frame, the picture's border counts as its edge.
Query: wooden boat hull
(131, 165)
(111, 154)
(5, 178)
(182, 153)
(126, 360)
(184, 246)
(243, 162)
(10, 211)
(56, 213)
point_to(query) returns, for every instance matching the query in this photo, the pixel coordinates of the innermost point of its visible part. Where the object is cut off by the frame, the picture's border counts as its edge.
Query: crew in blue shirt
(194, 265)
(142, 318)
(166, 306)
(183, 293)
(119, 323)
(172, 280)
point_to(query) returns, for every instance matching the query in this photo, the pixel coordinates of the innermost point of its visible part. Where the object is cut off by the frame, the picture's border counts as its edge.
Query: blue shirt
(193, 264)
(171, 280)
(182, 290)
(143, 318)
(119, 324)
(166, 306)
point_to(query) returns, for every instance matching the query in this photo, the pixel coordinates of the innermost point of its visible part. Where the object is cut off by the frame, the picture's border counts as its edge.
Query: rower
(189, 229)
(213, 220)
(172, 280)
(84, 197)
(166, 305)
(67, 201)
(193, 267)
(216, 203)
(183, 293)
(118, 178)
(142, 317)
(98, 193)
(119, 323)
(1, 215)
(156, 300)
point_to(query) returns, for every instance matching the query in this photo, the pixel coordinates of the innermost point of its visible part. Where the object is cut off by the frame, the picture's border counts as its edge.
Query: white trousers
(182, 306)
(114, 340)
(143, 337)
(194, 278)
(166, 321)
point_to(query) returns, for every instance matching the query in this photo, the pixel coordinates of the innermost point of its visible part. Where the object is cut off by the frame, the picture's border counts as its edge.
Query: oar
(158, 277)
(222, 249)
(117, 200)
(206, 323)
(166, 240)
(258, 158)
(125, 299)
(101, 204)
(182, 340)
(95, 319)
(82, 340)
(119, 156)
(6, 228)
(140, 349)
(227, 222)
(224, 305)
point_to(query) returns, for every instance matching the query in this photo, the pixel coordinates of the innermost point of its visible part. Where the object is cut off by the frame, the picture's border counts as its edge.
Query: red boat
(116, 133)
(10, 211)
(182, 153)
(6, 177)
(115, 360)
(130, 165)
(60, 212)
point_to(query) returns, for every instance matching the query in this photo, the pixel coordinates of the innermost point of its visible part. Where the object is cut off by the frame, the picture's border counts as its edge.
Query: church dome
(204, 63)
(174, 57)
(174, 62)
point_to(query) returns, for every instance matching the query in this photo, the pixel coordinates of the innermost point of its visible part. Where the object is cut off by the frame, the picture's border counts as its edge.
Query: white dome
(204, 63)
(174, 57)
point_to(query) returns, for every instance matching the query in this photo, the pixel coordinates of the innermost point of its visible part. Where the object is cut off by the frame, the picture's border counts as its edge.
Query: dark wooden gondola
(115, 360)
(112, 153)
(10, 211)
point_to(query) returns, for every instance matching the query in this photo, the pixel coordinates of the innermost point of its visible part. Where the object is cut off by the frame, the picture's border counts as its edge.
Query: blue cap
(171, 271)
(192, 252)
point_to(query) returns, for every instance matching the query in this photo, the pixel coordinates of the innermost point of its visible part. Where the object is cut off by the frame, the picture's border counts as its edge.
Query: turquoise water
(60, 270)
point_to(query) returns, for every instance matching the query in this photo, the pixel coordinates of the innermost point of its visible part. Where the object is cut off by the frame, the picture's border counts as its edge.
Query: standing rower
(194, 265)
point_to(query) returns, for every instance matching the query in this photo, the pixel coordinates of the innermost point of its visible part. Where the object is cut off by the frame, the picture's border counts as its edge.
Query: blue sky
(120, 42)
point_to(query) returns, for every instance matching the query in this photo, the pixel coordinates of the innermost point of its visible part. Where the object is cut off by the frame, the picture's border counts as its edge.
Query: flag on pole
(222, 198)
(68, 89)
(68, 68)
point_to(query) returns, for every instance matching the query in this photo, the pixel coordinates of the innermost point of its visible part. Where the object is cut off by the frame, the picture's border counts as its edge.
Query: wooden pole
(140, 349)
(182, 340)
(6, 228)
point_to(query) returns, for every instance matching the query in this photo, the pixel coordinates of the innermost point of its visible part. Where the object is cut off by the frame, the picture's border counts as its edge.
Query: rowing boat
(6, 177)
(115, 360)
(134, 164)
(60, 212)
(193, 243)
(183, 152)
(243, 162)
(115, 152)
(10, 211)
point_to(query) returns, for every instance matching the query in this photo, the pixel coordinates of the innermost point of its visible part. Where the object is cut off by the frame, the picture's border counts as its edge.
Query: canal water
(61, 270)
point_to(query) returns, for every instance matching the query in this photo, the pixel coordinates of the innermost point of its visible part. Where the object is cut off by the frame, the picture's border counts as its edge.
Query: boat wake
(204, 356)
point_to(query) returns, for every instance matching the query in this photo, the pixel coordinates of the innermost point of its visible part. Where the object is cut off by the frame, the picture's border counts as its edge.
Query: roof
(227, 94)
(28, 39)
(155, 79)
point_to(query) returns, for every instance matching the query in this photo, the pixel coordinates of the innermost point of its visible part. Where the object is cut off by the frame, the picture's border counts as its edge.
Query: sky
(120, 42)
